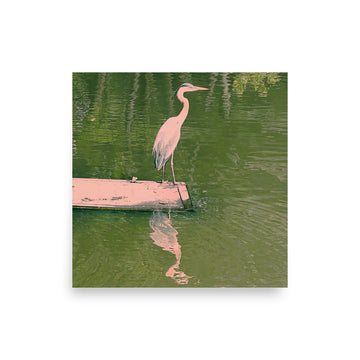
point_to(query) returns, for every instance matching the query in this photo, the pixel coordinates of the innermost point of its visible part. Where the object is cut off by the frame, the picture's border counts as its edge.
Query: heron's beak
(201, 88)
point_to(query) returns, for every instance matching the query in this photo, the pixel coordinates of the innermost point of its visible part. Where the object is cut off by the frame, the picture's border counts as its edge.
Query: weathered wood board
(129, 195)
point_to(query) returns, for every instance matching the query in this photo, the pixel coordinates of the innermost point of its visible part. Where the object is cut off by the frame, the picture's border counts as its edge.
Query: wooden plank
(129, 194)
(184, 195)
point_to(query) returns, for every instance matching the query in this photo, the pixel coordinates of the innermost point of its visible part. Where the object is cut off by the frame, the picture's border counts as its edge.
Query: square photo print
(179, 180)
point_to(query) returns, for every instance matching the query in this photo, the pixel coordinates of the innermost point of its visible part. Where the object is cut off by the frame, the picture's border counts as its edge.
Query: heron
(169, 134)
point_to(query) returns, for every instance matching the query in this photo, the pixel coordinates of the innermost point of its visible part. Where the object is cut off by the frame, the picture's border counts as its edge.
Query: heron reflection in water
(165, 236)
(169, 133)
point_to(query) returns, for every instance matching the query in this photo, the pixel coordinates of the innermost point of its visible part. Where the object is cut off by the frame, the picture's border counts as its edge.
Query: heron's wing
(166, 142)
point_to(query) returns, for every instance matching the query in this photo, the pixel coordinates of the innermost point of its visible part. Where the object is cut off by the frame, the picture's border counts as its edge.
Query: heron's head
(186, 87)
(189, 87)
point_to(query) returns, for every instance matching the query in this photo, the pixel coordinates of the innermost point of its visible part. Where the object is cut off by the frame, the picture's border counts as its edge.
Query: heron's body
(163, 150)
(169, 133)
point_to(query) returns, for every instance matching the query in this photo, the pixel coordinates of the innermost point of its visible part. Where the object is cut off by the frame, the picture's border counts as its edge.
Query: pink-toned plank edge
(129, 195)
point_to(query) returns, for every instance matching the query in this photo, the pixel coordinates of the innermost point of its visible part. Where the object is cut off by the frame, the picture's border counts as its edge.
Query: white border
(316, 317)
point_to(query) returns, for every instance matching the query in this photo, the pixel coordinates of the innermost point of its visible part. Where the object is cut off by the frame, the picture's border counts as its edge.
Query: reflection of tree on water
(260, 82)
(165, 236)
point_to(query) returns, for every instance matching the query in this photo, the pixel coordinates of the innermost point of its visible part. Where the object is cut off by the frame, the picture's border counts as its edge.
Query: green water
(233, 157)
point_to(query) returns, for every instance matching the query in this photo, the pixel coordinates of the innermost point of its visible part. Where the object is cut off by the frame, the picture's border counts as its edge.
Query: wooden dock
(129, 194)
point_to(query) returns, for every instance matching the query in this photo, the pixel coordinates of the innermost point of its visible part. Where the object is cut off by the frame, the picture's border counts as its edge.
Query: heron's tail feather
(159, 160)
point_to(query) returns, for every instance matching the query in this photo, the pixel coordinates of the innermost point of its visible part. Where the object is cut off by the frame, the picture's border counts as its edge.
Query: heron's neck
(183, 113)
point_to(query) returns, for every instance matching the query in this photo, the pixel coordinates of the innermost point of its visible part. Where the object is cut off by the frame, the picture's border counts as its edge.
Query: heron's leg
(163, 173)
(172, 167)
